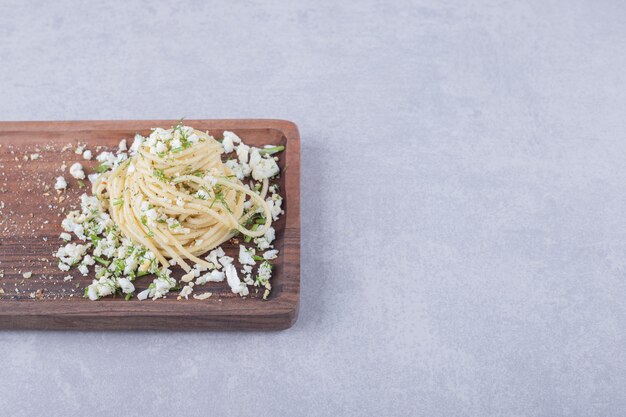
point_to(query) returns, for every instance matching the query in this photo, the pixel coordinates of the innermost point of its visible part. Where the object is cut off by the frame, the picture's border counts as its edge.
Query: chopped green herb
(247, 239)
(272, 151)
(102, 261)
(160, 175)
(118, 201)
(258, 258)
(102, 168)
(81, 184)
(128, 296)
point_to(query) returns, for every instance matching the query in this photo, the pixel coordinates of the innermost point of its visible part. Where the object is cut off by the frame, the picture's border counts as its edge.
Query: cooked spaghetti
(177, 198)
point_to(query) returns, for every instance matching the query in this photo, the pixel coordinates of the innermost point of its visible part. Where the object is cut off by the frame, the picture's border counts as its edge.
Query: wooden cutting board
(30, 223)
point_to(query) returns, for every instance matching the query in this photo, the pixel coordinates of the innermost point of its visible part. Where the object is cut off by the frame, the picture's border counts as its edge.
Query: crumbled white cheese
(161, 147)
(151, 215)
(242, 153)
(274, 205)
(65, 236)
(225, 260)
(264, 273)
(27, 274)
(236, 168)
(138, 140)
(101, 288)
(126, 285)
(60, 184)
(87, 155)
(122, 146)
(229, 140)
(76, 171)
(214, 254)
(265, 168)
(160, 286)
(68, 278)
(202, 194)
(235, 284)
(255, 157)
(232, 136)
(270, 254)
(186, 291)
(265, 242)
(228, 145)
(71, 253)
(187, 277)
(34, 156)
(245, 255)
(202, 296)
(210, 178)
(213, 276)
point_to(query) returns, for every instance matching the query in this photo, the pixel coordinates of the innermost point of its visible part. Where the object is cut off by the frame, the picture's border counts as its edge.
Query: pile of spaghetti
(168, 201)
(177, 198)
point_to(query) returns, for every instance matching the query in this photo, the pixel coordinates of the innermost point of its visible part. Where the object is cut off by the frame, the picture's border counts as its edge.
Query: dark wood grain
(31, 212)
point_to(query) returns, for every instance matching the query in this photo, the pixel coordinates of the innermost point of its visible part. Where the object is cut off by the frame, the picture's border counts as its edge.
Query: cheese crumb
(202, 296)
(76, 171)
(186, 291)
(61, 184)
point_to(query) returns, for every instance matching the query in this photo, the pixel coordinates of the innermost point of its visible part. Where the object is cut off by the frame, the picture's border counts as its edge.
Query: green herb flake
(101, 261)
(272, 150)
(160, 175)
(102, 168)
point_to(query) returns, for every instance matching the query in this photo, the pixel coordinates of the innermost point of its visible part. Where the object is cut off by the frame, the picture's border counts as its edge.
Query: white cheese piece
(242, 153)
(76, 171)
(143, 295)
(126, 285)
(245, 256)
(186, 291)
(265, 168)
(187, 277)
(202, 296)
(270, 254)
(235, 284)
(60, 184)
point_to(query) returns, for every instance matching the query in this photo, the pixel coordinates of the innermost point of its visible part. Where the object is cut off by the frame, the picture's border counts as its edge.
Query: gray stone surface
(463, 203)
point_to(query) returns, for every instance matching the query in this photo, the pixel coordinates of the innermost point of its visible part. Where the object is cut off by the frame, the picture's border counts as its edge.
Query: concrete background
(463, 203)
